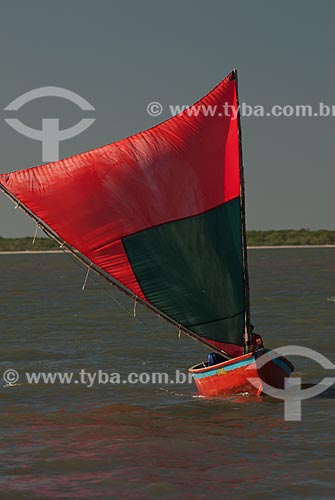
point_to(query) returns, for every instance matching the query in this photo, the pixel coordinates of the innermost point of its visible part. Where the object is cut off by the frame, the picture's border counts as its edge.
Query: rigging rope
(134, 311)
(86, 277)
(34, 238)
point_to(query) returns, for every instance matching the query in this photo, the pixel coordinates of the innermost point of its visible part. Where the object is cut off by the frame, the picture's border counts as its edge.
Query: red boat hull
(233, 376)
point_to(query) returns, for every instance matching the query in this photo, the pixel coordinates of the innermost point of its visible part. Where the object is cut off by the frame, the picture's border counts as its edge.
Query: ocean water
(148, 441)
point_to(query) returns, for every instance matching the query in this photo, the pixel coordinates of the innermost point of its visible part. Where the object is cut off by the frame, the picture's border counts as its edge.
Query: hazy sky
(121, 55)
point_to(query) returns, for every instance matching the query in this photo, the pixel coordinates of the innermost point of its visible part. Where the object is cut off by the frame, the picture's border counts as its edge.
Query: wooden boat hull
(232, 377)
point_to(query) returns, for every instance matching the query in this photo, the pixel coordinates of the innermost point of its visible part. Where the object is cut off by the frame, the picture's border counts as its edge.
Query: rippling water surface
(157, 440)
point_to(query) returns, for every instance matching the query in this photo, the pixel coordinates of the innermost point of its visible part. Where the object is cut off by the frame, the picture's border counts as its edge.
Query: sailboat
(161, 216)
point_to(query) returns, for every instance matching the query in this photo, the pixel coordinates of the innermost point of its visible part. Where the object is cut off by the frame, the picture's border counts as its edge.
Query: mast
(91, 266)
(247, 332)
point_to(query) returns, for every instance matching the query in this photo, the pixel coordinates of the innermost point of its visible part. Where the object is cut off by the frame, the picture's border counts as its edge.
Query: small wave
(11, 385)
(330, 299)
(174, 392)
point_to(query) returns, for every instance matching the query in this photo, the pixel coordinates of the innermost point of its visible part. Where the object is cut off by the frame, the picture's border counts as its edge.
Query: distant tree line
(254, 238)
(26, 244)
(291, 237)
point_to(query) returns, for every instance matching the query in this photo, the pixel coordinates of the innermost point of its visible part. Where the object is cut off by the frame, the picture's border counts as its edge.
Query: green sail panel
(192, 270)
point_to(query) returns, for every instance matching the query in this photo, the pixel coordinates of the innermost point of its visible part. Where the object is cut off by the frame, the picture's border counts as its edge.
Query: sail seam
(215, 320)
(179, 219)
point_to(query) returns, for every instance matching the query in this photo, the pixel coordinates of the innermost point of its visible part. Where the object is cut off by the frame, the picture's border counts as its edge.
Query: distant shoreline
(289, 246)
(264, 247)
(27, 252)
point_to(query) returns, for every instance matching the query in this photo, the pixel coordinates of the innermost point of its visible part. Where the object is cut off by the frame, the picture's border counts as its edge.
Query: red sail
(103, 201)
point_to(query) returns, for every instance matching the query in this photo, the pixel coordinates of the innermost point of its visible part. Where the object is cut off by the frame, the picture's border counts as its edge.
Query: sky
(120, 55)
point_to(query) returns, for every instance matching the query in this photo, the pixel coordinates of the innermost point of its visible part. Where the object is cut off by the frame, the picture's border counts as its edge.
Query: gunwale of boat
(203, 366)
